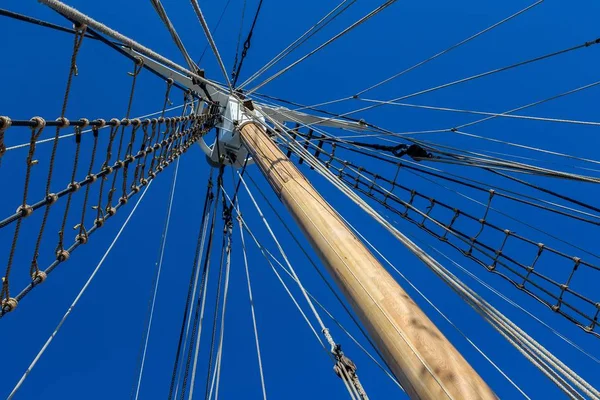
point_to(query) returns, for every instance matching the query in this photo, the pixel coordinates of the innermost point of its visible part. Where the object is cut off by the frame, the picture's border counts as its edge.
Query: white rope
(537, 149)
(158, 274)
(260, 366)
(323, 22)
(514, 304)
(330, 315)
(503, 115)
(162, 13)
(329, 176)
(81, 18)
(449, 49)
(202, 303)
(222, 330)
(423, 62)
(292, 297)
(535, 103)
(531, 349)
(333, 39)
(468, 79)
(210, 39)
(81, 292)
(283, 254)
(488, 359)
(19, 146)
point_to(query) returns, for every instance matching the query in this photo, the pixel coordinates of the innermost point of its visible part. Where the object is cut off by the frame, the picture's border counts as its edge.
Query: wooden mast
(422, 359)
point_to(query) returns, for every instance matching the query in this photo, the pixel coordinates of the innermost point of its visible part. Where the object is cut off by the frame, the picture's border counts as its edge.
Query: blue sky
(94, 355)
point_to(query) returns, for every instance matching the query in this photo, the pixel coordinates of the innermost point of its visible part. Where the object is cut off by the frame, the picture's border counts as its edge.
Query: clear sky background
(94, 356)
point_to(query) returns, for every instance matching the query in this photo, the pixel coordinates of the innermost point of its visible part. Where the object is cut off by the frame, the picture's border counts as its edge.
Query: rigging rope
(236, 71)
(208, 200)
(39, 22)
(201, 124)
(250, 297)
(328, 42)
(51, 197)
(155, 283)
(162, 13)
(75, 15)
(463, 80)
(553, 368)
(216, 29)
(449, 49)
(322, 23)
(335, 349)
(210, 39)
(81, 292)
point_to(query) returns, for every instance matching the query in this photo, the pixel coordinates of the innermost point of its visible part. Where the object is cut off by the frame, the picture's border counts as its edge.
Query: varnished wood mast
(422, 359)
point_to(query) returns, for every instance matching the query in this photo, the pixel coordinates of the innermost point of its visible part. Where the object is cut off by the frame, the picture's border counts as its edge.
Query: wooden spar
(421, 358)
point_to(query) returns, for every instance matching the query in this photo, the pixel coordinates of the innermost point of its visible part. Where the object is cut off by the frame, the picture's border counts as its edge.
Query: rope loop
(39, 277)
(5, 123)
(62, 255)
(115, 122)
(64, 123)
(9, 304)
(38, 123)
(84, 123)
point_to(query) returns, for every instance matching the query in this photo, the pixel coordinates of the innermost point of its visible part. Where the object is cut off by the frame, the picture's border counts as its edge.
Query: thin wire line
(298, 42)
(449, 49)
(81, 292)
(210, 39)
(440, 312)
(333, 39)
(504, 115)
(19, 146)
(158, 274)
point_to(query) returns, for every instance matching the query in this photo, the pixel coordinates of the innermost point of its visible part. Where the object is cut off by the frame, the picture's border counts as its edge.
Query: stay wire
(322, 23)
(200, 305)
(319, 272)
(359, 22)
(449, 49)
(154, 288)
(216, 29)
(470, 78)
(207, 204)
(211, 354)
(76, 301)
(236, 74)
(239, 40)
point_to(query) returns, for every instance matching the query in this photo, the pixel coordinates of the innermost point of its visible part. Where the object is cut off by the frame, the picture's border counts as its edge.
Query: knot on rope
(25, 210)
(82, 238)
(63, 122)
(62, 255)
(343, 363)
(38, 123)
(74, 186)
(9, 304)
(5, 123)
(51, 198)
(39, 277)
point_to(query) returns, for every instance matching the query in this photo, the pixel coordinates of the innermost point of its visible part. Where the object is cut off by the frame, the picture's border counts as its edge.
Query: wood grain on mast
(423, 360)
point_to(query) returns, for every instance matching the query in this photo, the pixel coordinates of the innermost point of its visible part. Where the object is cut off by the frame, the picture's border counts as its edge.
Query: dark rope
(207, 204)
(235, 75)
